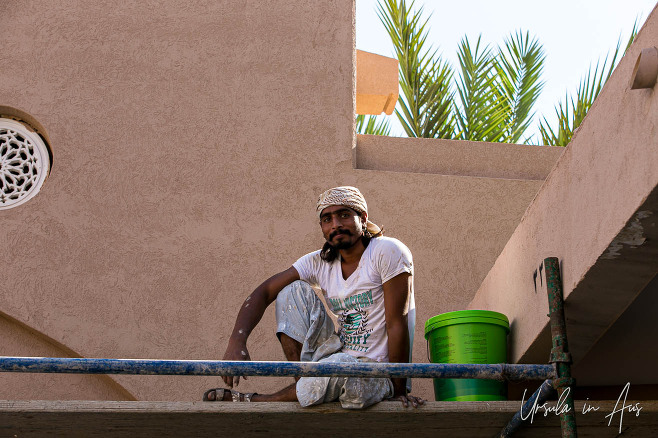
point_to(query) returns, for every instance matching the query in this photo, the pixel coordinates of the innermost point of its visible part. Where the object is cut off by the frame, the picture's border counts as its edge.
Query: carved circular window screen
(24, 163)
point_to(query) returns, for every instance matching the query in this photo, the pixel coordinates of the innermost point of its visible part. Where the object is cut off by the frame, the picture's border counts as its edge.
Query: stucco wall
(19, 340)
(190, 144)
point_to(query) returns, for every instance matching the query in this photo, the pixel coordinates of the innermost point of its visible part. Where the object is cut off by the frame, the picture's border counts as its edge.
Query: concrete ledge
(164, 419)
(453, 157)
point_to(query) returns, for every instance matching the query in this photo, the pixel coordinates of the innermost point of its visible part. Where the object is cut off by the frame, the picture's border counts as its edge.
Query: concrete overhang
(28, 419)
(376, 83)
(596, 212)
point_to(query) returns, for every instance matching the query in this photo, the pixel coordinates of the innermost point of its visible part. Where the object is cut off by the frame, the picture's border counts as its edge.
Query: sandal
(236, 396)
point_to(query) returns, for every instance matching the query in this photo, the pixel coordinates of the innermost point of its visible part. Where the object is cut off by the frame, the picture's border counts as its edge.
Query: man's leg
(305, 331)
(287, 394)
(352, 392)
(303, 328)
(299, 313)
(291, 348)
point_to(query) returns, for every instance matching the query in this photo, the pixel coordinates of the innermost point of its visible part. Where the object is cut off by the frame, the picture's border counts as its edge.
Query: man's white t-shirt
(358, 302)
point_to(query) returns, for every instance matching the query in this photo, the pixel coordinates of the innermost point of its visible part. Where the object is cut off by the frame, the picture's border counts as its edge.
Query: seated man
(367, 280)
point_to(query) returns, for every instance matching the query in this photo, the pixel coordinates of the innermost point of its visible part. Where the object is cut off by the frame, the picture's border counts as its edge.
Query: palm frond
(571, 114)
(480, 113)
(519, 66)
(424, 109)
(372, 125)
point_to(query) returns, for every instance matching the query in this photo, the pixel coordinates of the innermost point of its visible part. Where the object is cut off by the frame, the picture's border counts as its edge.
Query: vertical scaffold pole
(560, 355)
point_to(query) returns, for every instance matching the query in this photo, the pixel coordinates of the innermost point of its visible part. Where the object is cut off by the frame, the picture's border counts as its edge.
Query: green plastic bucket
(468, 336)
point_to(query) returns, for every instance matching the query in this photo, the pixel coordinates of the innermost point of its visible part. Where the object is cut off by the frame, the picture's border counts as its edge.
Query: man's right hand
(250, 313)
(235, 352)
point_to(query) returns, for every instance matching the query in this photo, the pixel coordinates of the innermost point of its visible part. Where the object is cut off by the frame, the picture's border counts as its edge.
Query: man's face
(341, 226)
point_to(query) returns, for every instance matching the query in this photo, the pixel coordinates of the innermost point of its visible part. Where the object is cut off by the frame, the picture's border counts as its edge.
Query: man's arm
(250, 314)
(397, 292)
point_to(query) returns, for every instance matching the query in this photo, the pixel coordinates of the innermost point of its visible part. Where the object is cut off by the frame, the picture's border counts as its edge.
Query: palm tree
(372, 126)
(495, 90)
(425, 103)
(492, 97)
(519, 66)
(571, 114)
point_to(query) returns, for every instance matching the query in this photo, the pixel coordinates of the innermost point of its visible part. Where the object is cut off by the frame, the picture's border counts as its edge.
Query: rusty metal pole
(560, 355)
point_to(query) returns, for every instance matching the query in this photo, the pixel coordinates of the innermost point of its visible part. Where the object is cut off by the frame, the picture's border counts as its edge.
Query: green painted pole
(560, 355)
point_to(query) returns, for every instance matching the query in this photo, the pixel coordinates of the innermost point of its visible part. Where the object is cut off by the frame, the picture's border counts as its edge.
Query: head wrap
(349, 197)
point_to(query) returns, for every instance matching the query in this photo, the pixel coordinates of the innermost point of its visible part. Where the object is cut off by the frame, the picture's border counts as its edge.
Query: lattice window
(24, 163)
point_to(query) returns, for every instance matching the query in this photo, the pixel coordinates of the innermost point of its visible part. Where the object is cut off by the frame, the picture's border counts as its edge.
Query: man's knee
(298, 296)
(293, 307)
(312, 391)
(294, 291)
(361, 392)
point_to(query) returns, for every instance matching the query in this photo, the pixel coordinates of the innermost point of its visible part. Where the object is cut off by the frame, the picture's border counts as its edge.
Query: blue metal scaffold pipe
(511, 372)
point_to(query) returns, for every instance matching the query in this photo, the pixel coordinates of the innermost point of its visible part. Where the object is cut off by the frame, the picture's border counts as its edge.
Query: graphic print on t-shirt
(353, 320)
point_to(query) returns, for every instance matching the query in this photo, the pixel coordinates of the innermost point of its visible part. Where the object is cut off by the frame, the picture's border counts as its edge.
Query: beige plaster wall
(602, 188)
(190, 144)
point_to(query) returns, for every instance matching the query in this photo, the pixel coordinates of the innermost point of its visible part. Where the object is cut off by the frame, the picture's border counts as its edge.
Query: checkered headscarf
(349, 197)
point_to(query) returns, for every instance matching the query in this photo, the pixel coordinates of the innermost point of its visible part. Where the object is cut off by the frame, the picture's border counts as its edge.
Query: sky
(575, 34)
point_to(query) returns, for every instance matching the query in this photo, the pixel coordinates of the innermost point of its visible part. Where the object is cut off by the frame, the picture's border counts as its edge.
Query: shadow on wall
(19, 340)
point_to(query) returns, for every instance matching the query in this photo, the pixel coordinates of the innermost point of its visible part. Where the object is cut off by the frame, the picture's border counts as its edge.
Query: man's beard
(344, 244)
